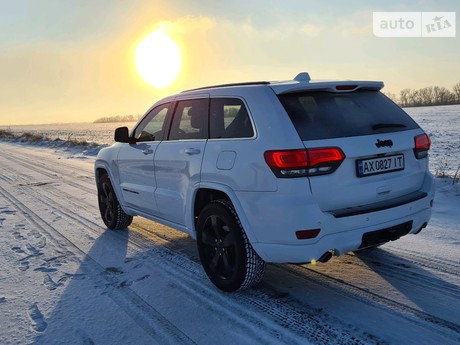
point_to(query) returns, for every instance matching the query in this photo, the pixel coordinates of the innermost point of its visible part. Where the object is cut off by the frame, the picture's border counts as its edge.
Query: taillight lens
(325, 155)
(422, 145)
(307, 234)
(304, 162)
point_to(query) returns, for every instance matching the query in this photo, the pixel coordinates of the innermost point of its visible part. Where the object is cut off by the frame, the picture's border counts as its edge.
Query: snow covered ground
(65, 279)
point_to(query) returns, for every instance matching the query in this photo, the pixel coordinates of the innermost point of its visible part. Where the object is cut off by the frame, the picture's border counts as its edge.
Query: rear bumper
(340, 242)
(273, 234)
(379, 206)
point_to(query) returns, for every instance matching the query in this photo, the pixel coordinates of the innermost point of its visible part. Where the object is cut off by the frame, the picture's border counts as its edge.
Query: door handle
(192, 151)
(147, 151)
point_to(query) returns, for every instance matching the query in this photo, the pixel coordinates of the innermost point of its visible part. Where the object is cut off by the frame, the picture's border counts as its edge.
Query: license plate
(374, 166)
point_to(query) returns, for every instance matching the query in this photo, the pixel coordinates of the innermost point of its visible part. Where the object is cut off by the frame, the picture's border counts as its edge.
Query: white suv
(284, 172)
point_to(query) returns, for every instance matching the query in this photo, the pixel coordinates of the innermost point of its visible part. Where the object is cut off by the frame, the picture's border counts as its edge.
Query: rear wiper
(387, 125)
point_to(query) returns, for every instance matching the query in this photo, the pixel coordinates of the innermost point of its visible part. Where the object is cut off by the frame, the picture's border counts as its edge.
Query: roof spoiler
(328, 86)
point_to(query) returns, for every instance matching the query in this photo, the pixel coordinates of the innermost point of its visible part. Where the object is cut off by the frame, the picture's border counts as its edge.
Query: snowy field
(442, 123)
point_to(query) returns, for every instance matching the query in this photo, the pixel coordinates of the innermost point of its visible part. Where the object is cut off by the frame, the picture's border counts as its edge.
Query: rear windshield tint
(324, 115)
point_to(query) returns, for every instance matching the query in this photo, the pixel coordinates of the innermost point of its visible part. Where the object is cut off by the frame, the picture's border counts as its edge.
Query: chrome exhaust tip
(422, 227)
(326, 256)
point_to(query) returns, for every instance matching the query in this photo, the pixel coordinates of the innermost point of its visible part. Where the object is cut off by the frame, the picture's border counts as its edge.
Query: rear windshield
(324, 115)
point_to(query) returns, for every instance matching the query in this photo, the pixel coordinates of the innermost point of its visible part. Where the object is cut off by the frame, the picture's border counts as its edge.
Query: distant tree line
(431, 95)
(118, 118)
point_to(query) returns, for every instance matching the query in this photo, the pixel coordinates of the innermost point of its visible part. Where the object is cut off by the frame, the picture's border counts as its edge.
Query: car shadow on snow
(86, 312)
(425, 289)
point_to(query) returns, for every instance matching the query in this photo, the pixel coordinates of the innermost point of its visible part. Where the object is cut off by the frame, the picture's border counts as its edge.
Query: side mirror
(122, 135)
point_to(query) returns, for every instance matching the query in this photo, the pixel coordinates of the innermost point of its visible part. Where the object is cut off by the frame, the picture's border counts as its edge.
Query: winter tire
(225, 252)
(111, 212)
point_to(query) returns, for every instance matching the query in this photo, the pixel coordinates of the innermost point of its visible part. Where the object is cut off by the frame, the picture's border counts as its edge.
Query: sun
(158, 59)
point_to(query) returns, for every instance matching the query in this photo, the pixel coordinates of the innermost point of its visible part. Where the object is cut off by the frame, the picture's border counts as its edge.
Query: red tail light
(325, 155)
(307, 234)
(422, 145)
(287, 158)
(299, 163)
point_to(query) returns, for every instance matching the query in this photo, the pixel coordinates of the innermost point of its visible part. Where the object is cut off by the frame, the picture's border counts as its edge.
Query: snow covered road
(66, 279)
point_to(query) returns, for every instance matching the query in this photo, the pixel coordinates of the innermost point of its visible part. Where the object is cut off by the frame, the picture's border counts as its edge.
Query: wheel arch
(102, 168)
(209, 192)
(98, 172)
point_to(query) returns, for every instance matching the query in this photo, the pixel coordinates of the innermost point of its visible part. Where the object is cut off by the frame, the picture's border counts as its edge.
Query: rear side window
(229, 118)
(190, 120)
(324, 115)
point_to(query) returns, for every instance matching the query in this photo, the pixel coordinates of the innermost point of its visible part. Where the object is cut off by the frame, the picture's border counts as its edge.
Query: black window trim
(254, 129)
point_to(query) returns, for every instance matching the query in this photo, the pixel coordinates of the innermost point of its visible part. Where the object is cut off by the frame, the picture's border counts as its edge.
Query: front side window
(229, 118)
(190, 120)
(152, 127)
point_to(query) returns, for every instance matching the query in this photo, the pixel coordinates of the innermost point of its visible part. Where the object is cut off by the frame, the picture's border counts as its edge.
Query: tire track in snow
(365, 296)
(435, 263)
(376, 298)
(345, 289)
(305, 323)
(143, 314)
(302, 320)
(406, 272)
(55, 175)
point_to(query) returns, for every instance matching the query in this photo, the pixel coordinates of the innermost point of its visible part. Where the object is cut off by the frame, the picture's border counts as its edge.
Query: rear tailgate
(376, 136)
(371, 172)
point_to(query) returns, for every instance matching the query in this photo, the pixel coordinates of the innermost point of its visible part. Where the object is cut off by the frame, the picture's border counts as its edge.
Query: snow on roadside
(443, 231)
(69, 148)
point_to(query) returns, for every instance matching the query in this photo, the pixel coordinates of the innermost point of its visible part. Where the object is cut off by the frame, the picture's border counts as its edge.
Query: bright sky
(73, 61)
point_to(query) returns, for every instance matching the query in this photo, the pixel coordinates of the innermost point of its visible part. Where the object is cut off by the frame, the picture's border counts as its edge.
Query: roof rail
(229, 85)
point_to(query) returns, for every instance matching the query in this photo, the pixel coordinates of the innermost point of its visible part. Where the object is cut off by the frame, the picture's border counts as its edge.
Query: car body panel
(177, 170)
(137, 176)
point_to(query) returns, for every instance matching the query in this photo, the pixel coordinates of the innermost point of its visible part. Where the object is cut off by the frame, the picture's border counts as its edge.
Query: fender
(112, 171)
(233, 198)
